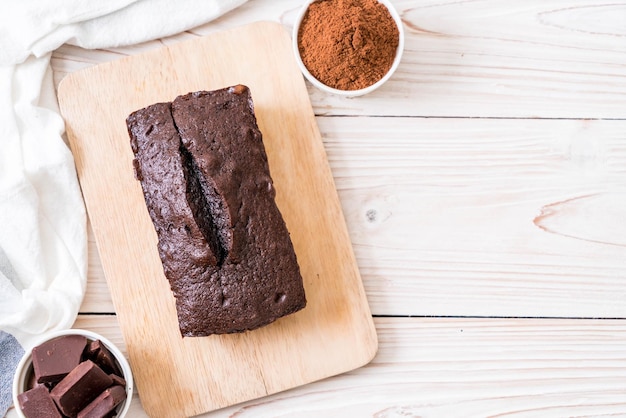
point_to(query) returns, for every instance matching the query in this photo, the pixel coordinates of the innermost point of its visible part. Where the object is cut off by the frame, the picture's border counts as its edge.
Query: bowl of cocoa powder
(348, 47)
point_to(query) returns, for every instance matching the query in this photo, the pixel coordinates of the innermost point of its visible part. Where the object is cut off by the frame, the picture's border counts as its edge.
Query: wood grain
(472, 368)
(548, 59)
(483, 217)
(504, 216)
(433, 367)
(333, 334)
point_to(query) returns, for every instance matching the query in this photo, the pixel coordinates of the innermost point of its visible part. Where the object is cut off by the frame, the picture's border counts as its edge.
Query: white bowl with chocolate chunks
(73, 373)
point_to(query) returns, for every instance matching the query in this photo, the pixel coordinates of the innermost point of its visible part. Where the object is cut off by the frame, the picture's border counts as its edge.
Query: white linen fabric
(43, 239)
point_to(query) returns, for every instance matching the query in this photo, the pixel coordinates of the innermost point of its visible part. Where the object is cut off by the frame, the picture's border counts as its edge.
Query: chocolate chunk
(117, 380)
(54, 359)
(105, 403)
(81, 386)
(36, 403)
(99, 354)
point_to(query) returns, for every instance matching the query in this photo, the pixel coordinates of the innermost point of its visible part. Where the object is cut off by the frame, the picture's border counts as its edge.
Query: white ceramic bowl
(25, 367)
(348, 93)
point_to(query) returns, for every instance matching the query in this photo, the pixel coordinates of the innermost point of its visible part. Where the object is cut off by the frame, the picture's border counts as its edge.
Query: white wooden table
(484, 188)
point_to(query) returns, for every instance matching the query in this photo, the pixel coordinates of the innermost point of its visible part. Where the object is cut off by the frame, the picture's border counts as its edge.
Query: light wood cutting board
(178, 376)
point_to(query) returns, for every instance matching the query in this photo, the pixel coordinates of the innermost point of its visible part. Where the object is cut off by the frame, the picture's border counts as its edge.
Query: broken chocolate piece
(105, 403)
(81, 386)
(99, 354)
(36, 403)
(117, 380)
(54, 359)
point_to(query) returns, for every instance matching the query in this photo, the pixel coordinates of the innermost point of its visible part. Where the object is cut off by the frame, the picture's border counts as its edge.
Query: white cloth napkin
(43, 244)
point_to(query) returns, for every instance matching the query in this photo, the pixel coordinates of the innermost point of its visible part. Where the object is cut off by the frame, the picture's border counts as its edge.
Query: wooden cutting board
(178, 376)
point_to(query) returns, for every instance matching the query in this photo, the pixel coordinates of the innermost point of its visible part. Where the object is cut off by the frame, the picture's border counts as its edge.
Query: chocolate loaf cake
(223, 243)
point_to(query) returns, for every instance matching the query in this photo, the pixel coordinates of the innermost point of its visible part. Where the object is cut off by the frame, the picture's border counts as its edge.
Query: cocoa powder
(348, 44)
